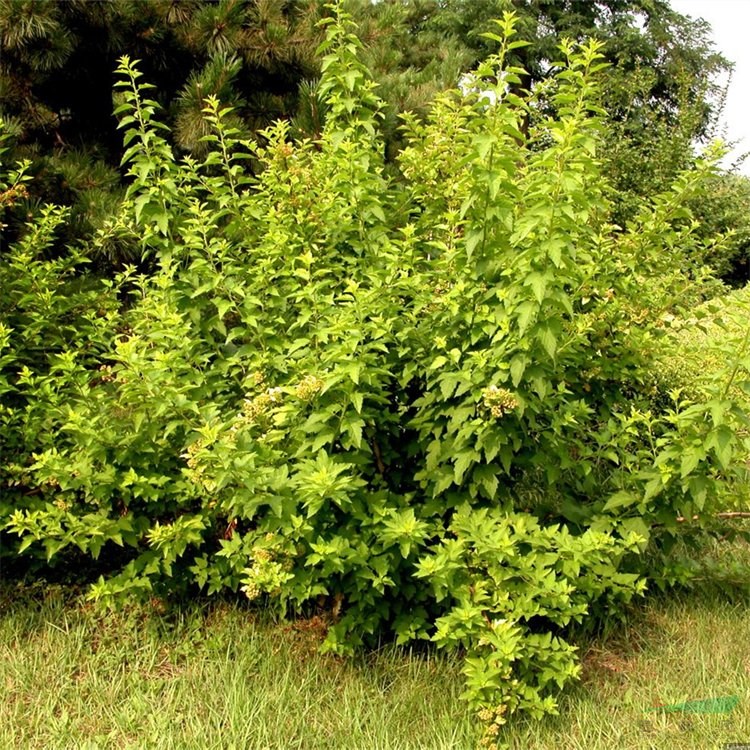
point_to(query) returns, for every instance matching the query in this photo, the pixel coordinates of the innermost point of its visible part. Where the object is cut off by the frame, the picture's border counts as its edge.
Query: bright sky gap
(729, 20)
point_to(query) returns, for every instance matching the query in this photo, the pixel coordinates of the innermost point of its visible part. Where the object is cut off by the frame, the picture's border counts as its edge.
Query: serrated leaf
(690, 459)
(621, 499)
(548, 341)
(357, 400)
(538, 283)
(448, 385)
(223, 306)
(525, 315)
(354, 430)
(517, 369)
(473, 239)
(462, 463)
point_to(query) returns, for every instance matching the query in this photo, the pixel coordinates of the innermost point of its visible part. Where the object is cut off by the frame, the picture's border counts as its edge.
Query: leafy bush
(725, 208)
(54, 324)
(428, 406)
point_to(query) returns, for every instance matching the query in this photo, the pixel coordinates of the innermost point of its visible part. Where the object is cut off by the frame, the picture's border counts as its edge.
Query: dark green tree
(259, 56)
(56, 77)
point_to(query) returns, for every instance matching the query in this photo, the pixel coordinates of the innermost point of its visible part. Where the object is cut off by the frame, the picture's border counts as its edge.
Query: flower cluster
(192, 450)
(253, 408)
(492, 719)
(12, 195)
(262, 555)
(441, 288)
(498, 401)
(251, 589)
(195, 471)
(308, 387)
(265, 574)
(106, 374)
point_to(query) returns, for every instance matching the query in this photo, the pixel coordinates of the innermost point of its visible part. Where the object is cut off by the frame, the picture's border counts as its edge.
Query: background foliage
(663, 90)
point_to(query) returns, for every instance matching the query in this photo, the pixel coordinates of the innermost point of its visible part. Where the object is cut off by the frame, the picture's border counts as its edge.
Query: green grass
(687, 649)
(222, 676)
(217, 677)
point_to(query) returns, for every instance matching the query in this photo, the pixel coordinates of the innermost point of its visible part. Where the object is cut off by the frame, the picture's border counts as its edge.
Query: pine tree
(56, 76)
(259, 57)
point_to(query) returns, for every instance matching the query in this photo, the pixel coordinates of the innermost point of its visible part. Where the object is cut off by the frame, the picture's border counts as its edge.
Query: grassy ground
(684, 650)
(221, 677)
(216, 677)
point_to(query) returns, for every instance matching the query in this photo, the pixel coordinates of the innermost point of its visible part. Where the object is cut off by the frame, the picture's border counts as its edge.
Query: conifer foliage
(258, 56)
(56, 80)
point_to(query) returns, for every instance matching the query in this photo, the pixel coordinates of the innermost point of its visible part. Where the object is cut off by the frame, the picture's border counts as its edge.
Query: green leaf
(538, 283)
(690, 460)
(548, 341)
(357, 400)
(461, 464)
(526, 313)
(517, 369)
(621, 499)
(223, 306)
(637, 526)
(438, 362)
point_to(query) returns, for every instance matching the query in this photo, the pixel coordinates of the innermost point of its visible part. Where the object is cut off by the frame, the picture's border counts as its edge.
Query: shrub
(54, 323)
(427, 405)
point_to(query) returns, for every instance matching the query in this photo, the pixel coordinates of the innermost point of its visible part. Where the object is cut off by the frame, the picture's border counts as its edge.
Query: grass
(687, 649)
(217, 677)
(674, 649)
(225, 677)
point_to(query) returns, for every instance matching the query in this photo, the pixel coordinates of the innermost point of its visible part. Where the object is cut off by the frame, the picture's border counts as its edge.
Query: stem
(727, 515)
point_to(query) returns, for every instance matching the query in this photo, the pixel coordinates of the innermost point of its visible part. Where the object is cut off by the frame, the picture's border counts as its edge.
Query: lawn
(225, 676)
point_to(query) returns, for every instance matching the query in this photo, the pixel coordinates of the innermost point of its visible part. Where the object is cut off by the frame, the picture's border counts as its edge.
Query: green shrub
(427, 406)
(54, 328)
